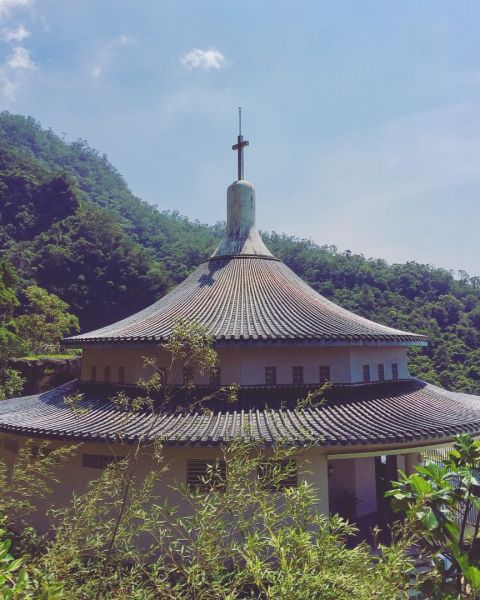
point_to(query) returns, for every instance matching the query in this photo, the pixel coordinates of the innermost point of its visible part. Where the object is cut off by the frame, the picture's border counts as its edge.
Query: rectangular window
(99, 461)
(188, 376)
(297, 375)
(395, 371)
(10, 445)
(206, 474)
(366, 373)
(381, 372)
(270, 375)
(121, 374)
(278, 475)
(106, 376)
(215, 376)
(324, 373)
(93, 373)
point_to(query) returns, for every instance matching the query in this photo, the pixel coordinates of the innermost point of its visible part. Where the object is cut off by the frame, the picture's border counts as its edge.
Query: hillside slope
(69, 222)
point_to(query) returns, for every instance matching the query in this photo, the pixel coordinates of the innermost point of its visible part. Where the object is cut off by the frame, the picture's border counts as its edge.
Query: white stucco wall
(74, 477)
(355, 477)
(313, 468)
(246, 366)
(365, 486)
(375, 355)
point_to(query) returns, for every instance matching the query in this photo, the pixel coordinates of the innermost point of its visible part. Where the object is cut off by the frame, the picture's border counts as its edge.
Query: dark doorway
(385, 473)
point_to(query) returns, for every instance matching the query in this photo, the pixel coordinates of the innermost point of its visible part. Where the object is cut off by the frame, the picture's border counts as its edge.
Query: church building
(276, 339)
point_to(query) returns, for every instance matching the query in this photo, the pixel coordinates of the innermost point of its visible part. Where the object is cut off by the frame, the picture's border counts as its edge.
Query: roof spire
(240, 145)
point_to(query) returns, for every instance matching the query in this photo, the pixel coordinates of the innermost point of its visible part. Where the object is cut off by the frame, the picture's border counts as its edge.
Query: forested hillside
(69, 223)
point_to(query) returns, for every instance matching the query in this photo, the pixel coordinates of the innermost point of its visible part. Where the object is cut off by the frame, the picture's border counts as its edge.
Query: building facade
(277, 339)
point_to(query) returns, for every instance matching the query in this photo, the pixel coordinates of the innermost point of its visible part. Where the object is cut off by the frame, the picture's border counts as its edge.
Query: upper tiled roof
(247, 298)
(389, 413)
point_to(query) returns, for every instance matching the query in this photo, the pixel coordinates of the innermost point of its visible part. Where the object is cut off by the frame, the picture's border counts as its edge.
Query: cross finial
(240, 145)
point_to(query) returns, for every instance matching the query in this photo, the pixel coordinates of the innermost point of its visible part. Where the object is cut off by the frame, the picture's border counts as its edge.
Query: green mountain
(69, 223)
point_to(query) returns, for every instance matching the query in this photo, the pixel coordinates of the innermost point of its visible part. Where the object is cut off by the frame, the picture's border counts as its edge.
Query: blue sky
(363, 117)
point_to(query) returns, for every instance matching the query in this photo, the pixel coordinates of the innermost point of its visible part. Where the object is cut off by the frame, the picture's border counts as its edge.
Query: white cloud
(9, 88)
(13, 72)
(203, 59)
(124, 40)
(106, 54)
(20, 60)
(15, 35)
(384, 193)
(8, 5)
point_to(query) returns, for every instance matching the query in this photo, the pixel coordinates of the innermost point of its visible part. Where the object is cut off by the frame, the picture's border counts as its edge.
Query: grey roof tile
(391, 412)
(247, 298)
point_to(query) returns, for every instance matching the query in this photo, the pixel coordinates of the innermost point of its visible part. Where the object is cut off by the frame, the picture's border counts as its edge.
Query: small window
(271, 375)
(121, 374)
(297, 375)
(99, 461)
(381, 372)
(93, 373)
(205, 474)
(188, 376)
(278, 475)
(324, 373)
(106, 375)
(395, 371)
(215, 376)
(366, 373)
(10, 445)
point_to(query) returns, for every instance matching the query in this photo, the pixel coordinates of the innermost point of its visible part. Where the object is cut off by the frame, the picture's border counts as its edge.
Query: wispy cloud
(106, 54)
(20, 60)
(8, 87)
(13, 72)
(203, 59)
(6, 6)
(382, 187)
(15, 35)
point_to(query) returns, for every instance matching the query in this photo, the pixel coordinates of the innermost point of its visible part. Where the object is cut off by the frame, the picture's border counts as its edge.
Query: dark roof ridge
(240, 256)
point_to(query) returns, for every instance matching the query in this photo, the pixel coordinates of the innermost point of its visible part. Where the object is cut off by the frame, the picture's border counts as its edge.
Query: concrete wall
(246, 366)
(74, 477)
(313, 468)
(374, 356)
(353, 479)
(365, 486)
(411, 460)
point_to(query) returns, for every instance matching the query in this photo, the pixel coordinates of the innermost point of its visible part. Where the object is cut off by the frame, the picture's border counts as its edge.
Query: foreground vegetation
(241, 530)
(238, 541)
(244, 535)
(238, 532)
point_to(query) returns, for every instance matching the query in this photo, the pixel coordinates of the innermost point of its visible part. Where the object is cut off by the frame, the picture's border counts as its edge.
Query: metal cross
(240, 145)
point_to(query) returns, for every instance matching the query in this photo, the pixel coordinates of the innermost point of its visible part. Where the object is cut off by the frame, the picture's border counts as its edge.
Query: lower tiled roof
(389, 413)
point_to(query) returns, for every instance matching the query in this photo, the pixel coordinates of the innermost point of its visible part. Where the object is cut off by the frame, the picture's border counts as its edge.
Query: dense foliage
(69, 223)
(237, 541)
(35, 326)
(441, 501)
